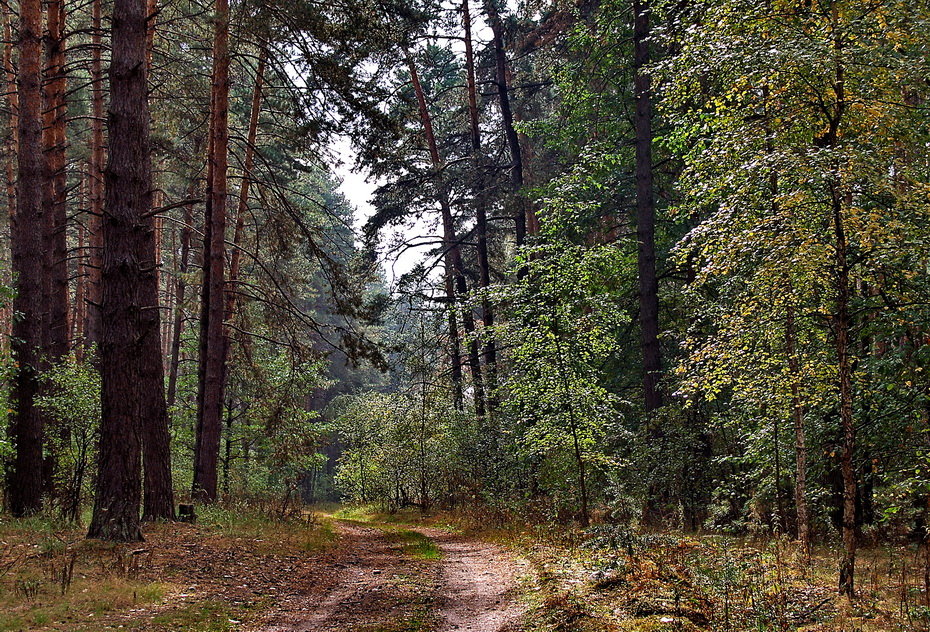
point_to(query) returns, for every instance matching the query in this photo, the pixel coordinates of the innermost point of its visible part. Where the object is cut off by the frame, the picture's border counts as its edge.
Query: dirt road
(372, 582)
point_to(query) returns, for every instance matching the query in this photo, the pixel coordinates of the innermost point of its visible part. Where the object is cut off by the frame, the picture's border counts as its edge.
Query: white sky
(358, 187)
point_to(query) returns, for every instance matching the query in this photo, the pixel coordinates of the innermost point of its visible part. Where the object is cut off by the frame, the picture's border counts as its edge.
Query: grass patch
(413, 542)
(374, 513)
(52, 578)
(270, 534)
(416, 623)
(205, 616)
(84, 601)
(416, 544)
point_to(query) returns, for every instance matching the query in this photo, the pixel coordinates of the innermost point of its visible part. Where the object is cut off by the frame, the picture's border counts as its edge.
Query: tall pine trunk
(12, 100)
(54, 139)
(158, 487)
(57, 328)
(128, 309)
(177, 329)
(28, 424)
(211, 382)
(452, 256)
(481, 209)
(95, 180)
(248, 165)
(507, 121)
(645, 210)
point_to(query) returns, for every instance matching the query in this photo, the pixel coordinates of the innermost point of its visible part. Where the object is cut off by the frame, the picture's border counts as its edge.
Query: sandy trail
(478, 590)
(369, 583)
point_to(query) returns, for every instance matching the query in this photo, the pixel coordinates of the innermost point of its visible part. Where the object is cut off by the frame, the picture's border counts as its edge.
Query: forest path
(479, 586)
(379, 580)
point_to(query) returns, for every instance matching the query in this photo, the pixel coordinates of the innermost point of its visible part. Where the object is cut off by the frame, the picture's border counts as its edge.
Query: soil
(478, 590)
(370, 584)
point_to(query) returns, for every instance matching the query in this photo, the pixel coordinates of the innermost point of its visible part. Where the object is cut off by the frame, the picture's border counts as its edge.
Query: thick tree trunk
(12, 151)
(645, 211)
(452, 256)
(481, 216)
(158, 499)
(210, 398)
(129, 309)
(95, 181)
(28, 424)
(158, 487)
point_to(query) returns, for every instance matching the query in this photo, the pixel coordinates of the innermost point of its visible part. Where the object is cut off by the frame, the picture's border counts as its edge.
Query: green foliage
(394, 450)
(561, 332)
(71, 399)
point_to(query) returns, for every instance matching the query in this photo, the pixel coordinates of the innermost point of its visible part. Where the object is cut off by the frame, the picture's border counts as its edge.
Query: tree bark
(158, 486)
(800, 438)
(645, 211)
(28, 424)
(158, 500)
(210, 398)
(177, 329)
(95, 188)
(248, 166)
(513, 139)
(129, 308)
(12, 146)
(151, 10)
(54, 140)
(842, 320)
(452, 256)
(56, 291)
(481, 216)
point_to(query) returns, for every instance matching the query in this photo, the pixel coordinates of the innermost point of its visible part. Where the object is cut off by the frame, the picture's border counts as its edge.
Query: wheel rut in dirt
(370, 584)
(478, 591)
(367, 584)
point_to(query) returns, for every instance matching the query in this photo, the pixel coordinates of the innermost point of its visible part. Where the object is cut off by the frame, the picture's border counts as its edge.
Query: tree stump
(186, 513)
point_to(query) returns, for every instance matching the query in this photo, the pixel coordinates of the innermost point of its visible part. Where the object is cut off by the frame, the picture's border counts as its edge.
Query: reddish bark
(248, 165)
(95, 180)
(56, 290)
(211, 382)
(27, 426)
(452, 257)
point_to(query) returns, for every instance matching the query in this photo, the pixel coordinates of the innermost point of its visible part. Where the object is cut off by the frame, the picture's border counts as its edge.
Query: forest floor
(355, 570)
(242, 572)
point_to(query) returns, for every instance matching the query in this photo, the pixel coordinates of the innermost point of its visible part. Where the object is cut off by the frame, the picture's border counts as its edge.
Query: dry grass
(680, 583)
(204, 577)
